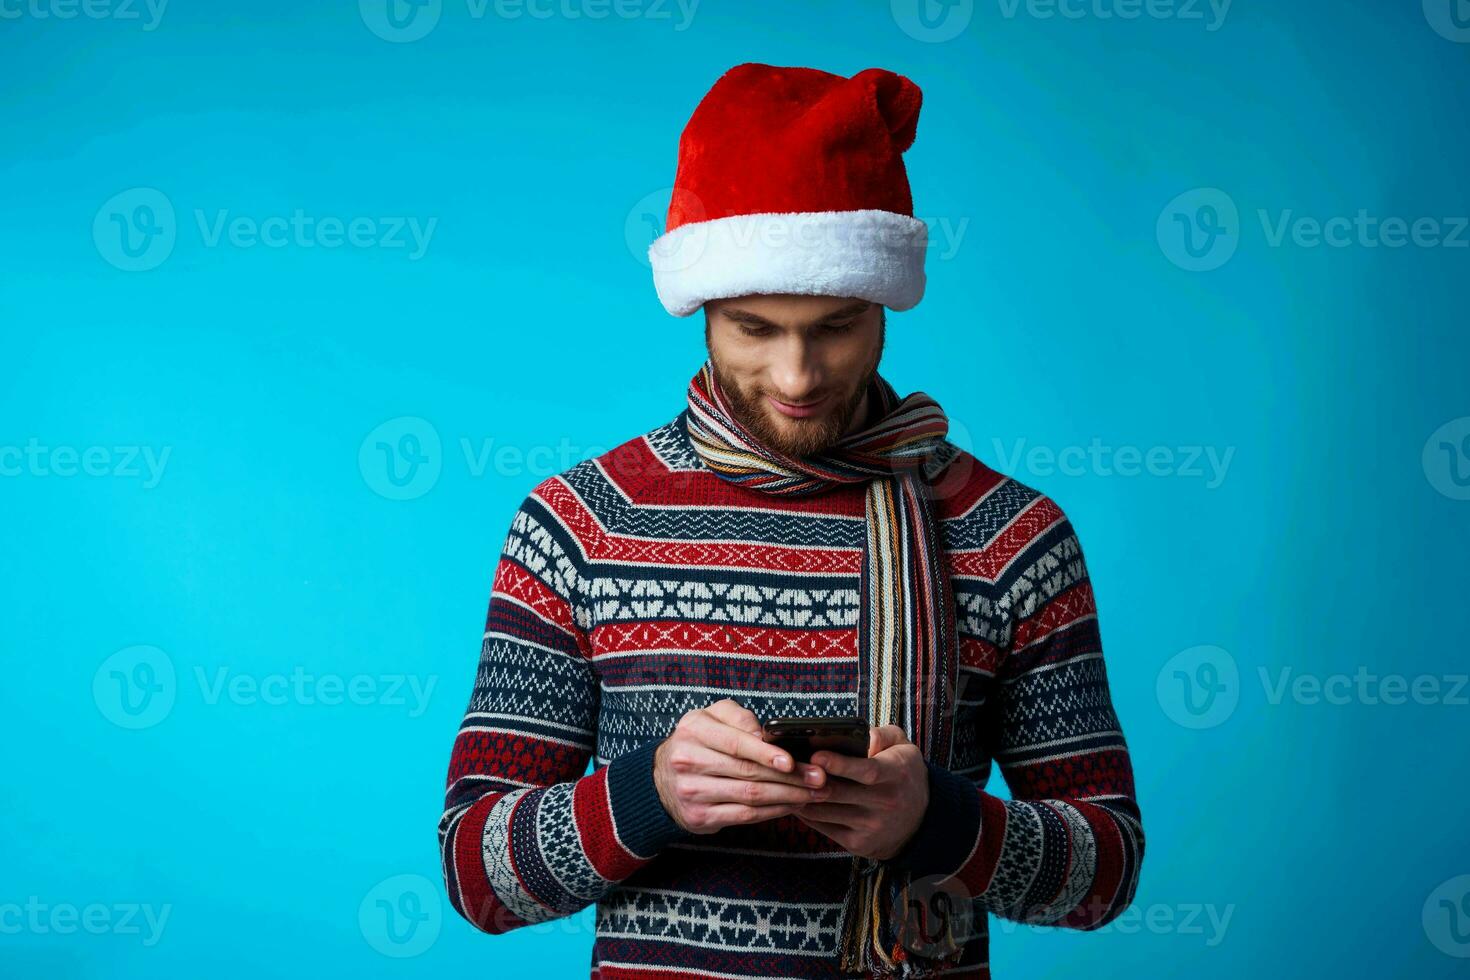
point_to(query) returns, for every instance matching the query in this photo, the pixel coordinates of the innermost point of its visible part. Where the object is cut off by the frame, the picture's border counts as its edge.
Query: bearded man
(798, 541)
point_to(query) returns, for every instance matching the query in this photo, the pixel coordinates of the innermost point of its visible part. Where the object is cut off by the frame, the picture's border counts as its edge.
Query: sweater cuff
(642, 823)
(946, 835)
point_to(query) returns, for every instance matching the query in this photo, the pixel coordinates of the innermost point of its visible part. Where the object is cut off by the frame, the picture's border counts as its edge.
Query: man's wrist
(643, 822)
(901, 856)
(658, 783)
(904, 847)
(946, 833)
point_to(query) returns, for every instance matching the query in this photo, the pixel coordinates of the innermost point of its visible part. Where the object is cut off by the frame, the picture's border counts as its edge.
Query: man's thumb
(884, 736)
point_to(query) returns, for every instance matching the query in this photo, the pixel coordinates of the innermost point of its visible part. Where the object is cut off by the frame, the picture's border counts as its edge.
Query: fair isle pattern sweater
(639, 585)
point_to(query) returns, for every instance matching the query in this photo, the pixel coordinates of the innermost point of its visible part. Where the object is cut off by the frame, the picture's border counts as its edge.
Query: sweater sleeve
(525, 836)
(1067, 848)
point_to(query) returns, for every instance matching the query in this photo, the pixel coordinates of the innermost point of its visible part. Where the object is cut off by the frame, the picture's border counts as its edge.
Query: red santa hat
(791, 180)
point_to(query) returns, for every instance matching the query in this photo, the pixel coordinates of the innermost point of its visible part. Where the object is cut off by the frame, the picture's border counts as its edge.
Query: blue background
(543, 148)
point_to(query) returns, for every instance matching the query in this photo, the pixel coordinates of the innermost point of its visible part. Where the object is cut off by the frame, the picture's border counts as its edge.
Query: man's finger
(845, 791)
(841, 813)
(731, 813)
(733, 713)
(718, 789)
(705, 759)
(836, 831)
(733, 741)
(887, 736)
(865, 771)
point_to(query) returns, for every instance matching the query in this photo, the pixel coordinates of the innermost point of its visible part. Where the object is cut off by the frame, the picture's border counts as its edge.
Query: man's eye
(830, 327)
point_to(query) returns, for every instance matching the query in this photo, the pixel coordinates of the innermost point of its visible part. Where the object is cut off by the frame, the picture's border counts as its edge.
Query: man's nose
(797, 374)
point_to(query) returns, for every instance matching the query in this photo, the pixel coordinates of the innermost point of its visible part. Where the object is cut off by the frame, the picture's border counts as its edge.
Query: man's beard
(805, 437)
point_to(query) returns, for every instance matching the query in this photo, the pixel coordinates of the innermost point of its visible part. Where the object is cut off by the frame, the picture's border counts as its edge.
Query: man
(798, 540)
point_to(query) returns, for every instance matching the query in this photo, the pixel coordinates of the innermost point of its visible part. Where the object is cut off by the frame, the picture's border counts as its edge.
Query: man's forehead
(789, 310)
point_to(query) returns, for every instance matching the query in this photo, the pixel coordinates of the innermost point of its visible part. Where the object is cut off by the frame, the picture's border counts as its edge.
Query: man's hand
(715, 770)
(876, 803)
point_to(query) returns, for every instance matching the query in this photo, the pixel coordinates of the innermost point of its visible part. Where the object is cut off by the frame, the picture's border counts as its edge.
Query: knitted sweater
(639, 585)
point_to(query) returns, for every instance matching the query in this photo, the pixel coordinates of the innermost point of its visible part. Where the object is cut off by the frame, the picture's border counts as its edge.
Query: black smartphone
(801, 736)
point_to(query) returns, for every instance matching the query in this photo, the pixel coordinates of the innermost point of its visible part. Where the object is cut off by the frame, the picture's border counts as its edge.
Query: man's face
(795, 369)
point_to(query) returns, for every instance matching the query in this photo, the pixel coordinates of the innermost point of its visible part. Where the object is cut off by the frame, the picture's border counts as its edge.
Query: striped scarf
(907, 648)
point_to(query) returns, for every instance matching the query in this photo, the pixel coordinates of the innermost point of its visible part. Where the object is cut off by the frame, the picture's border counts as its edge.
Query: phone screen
(801, 736)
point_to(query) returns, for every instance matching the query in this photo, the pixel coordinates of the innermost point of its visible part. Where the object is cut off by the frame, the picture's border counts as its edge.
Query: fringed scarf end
(871, 930)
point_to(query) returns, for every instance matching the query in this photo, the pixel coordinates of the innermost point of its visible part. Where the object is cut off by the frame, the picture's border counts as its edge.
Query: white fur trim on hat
(870, 254)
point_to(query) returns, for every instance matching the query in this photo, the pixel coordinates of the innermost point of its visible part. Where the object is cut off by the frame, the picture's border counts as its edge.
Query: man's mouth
(797, 411)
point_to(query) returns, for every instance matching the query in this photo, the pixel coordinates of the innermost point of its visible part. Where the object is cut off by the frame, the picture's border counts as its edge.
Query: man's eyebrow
(745, 316)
